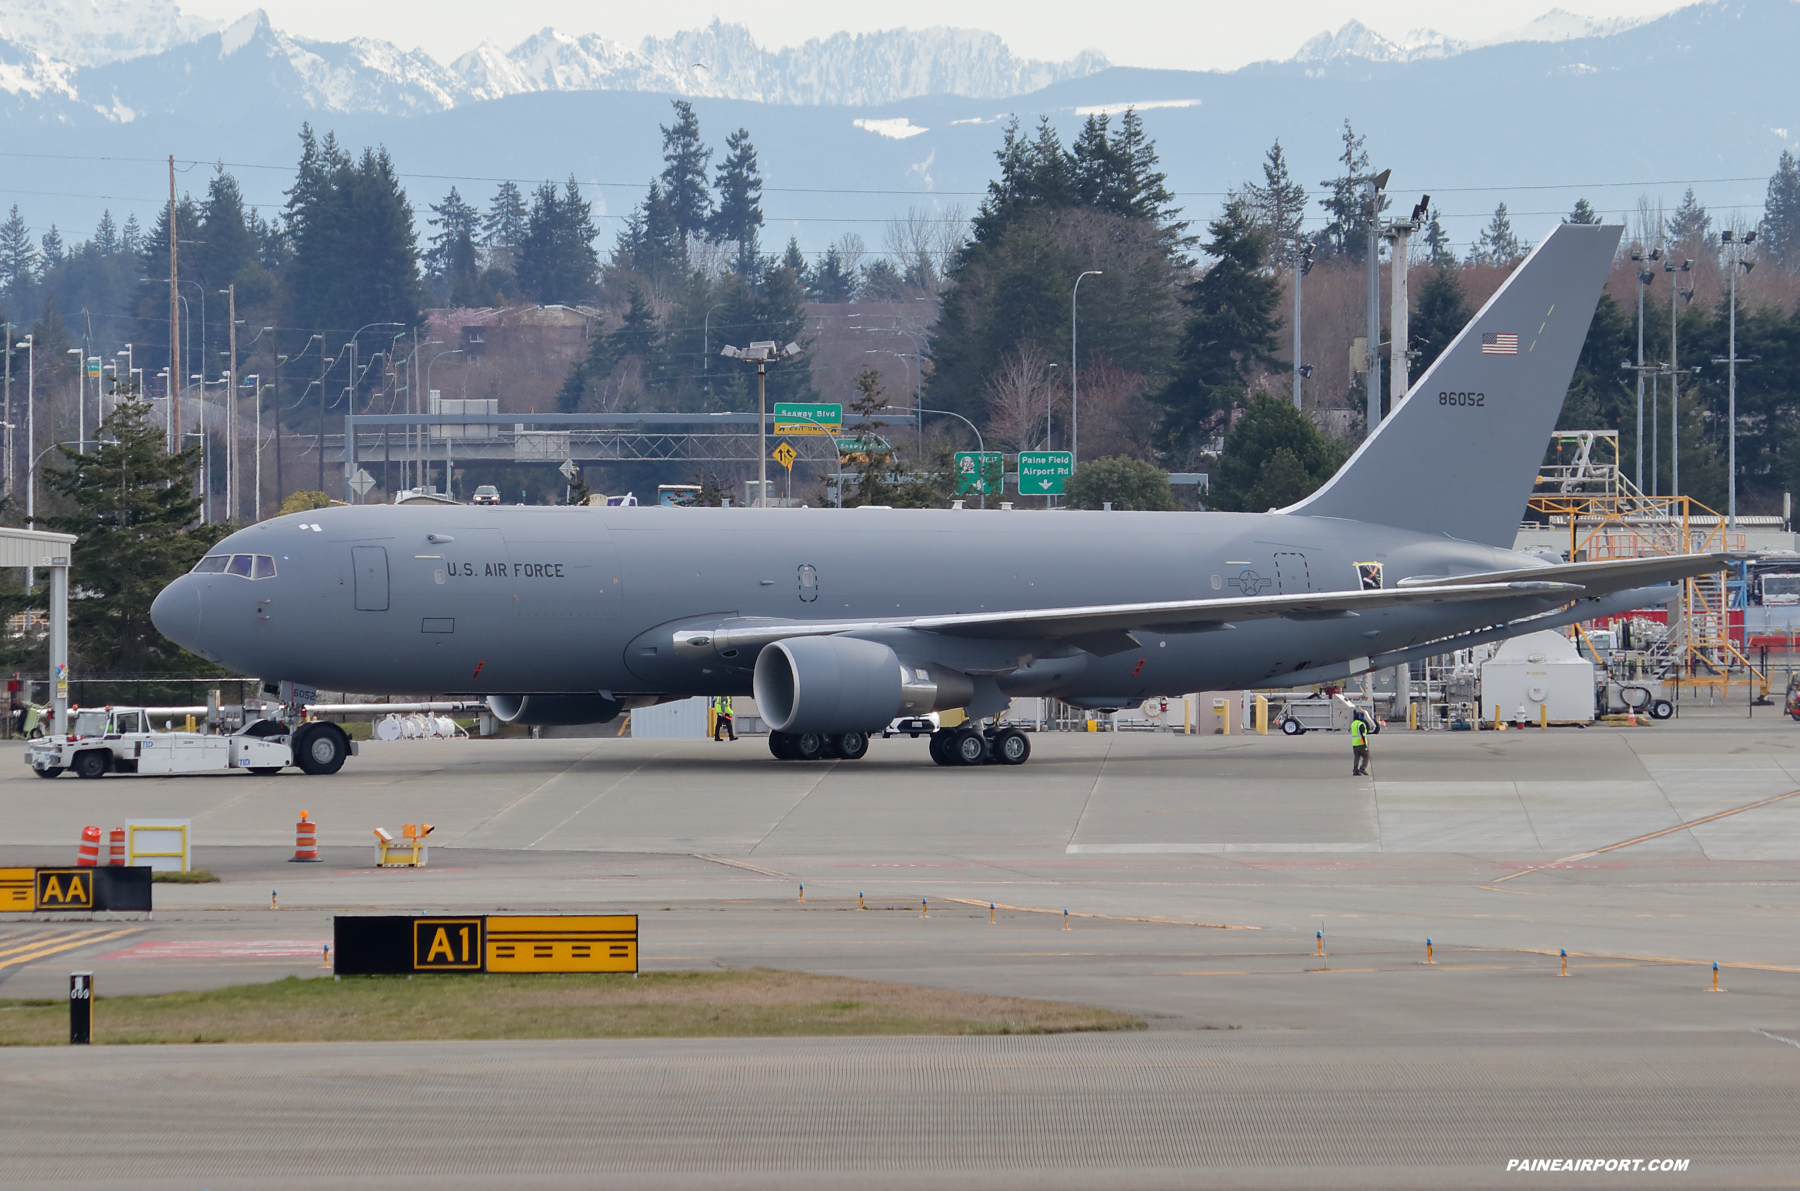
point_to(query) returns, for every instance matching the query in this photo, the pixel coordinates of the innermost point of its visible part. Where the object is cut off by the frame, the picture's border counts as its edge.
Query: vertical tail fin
(1459, 453)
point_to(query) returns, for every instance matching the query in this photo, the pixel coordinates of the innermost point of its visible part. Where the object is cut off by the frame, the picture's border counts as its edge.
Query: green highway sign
(798, 417)
(980, 472)
(1041, 473)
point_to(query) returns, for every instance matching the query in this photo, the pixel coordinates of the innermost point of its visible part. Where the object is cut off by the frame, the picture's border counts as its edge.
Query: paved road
(1197, 872)
(1151, 1111)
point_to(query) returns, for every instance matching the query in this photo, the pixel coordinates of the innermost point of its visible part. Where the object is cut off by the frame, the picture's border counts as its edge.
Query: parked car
(914, 726)
(487, 494)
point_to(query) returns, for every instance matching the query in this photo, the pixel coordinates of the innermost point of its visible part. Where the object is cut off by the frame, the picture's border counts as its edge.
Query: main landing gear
(814, 746)
(998, 744)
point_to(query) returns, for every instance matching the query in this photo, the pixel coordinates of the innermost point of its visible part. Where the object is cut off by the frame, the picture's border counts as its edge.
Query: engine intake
(827, 684)
(554, 710)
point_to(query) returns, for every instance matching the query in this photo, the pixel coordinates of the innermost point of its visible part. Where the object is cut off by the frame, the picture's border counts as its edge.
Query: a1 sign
(980, 472)
(1041, 473)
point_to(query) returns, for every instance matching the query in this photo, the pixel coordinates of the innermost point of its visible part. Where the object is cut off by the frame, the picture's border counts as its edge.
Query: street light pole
(424, 445)
(1074, 372)
(1731, 365)
(30, 429)
(1675, 377)
(762, 353)
(1645, 277)
(1302, 266)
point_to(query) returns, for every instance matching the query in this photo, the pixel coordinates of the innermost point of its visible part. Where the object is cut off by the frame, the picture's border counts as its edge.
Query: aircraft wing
(1597, 577)
(1105, 628)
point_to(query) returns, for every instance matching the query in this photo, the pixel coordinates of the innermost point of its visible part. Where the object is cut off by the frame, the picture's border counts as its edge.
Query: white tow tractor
(122, 740)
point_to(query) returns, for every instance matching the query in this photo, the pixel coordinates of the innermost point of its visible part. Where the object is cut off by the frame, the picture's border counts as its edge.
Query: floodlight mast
(762, 353)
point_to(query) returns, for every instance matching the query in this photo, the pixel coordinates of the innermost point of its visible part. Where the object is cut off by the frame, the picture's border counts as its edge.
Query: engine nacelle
(554, 710)
(827, 684)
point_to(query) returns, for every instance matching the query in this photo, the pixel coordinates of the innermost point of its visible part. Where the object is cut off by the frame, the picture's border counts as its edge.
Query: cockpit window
(248, 566)
(90, 723)
(127, 721)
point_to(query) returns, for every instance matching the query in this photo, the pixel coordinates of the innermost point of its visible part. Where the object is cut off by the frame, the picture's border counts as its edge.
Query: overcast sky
(1170, 34)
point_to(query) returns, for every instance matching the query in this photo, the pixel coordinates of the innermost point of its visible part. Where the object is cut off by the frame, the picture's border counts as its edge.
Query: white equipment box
(1538, 670)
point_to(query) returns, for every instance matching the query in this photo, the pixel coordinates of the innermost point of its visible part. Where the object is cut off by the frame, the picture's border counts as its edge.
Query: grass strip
(196, 876)
(759, 1002)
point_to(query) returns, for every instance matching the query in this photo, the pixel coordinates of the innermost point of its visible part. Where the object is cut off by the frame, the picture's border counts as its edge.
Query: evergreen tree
(1230, 332)
(1034, 175)
(1583, 213)
(651, 244)
(131, 239)
(52, 244)
(1100, 170)
(636, 338)
(1126, 484)
(794, 261)
(1273, 457)
(18, 261)
(355, 249)
(463, 273)
(1498, 245)
(1278, 207)
(1441, 316)
(1142, 191)
(1437, 242)
(134, 506)
(454, 220)
(503, 227)
(1690, 227)
(1780, 223)
(882, 282)
(740, 184)
(557, 262)
(106, 235)
(684, 171)
(832, 281)
(1348, 205)
(226, 255)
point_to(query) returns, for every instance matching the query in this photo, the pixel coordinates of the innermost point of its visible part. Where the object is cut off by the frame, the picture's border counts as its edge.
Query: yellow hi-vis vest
(1359, 733)
(721, 705)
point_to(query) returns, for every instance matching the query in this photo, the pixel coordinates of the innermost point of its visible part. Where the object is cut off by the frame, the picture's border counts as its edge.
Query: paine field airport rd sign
(800, 417)
(980, 472)
(1041, 473)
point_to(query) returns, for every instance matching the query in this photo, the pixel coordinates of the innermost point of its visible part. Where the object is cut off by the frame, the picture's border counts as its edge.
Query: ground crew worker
(1359, 745)
(721, 706)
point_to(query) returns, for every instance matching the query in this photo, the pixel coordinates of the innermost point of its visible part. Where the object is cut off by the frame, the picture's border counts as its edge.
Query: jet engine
(843, 684)
(553, 710)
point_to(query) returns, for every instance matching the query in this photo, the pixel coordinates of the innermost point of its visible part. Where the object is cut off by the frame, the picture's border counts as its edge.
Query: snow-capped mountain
(1356, 40)
(724, 62)
(92, 32)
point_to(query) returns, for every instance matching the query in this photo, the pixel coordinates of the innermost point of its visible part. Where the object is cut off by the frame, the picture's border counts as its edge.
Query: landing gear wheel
(849, 745)
(781, 746)
(807, 746)
(1292, 728)
(940, 746)
(1662, 709)
(91, 764)
(1011, 747)
(53, 771)
(968, 747)
(320, 749)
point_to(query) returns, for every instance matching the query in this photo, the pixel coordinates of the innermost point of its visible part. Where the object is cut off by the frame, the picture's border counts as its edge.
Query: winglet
(1460, 452)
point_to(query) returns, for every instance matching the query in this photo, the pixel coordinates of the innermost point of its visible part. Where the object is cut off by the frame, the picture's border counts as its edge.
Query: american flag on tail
(1499, 343)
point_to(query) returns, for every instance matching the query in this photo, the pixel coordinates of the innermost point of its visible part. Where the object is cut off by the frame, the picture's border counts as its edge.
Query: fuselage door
(1291, 575)
(369, 564)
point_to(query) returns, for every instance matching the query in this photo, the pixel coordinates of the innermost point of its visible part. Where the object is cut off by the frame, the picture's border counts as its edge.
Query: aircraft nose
(176, 613)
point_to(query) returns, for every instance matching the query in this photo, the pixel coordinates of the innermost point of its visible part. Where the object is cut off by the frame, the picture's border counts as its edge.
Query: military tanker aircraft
(840, 620)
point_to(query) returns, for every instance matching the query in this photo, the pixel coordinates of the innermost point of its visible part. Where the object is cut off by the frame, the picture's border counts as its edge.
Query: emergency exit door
(369, 564)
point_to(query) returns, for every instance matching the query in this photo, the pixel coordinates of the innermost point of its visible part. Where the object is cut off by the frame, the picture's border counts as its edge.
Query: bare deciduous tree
(1017, 394)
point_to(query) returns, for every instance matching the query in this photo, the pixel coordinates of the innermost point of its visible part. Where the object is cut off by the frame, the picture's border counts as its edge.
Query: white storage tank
(1539, 670)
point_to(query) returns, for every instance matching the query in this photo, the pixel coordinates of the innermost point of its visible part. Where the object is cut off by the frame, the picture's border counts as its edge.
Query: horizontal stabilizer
(1596, 577)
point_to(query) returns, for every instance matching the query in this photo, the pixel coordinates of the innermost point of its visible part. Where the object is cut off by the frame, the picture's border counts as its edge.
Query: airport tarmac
(1196, 871)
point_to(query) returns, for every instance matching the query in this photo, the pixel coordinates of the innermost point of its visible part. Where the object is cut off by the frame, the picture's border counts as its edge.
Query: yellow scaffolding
(1607, 517)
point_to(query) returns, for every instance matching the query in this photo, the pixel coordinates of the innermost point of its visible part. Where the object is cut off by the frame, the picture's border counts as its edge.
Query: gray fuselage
(472, 600)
